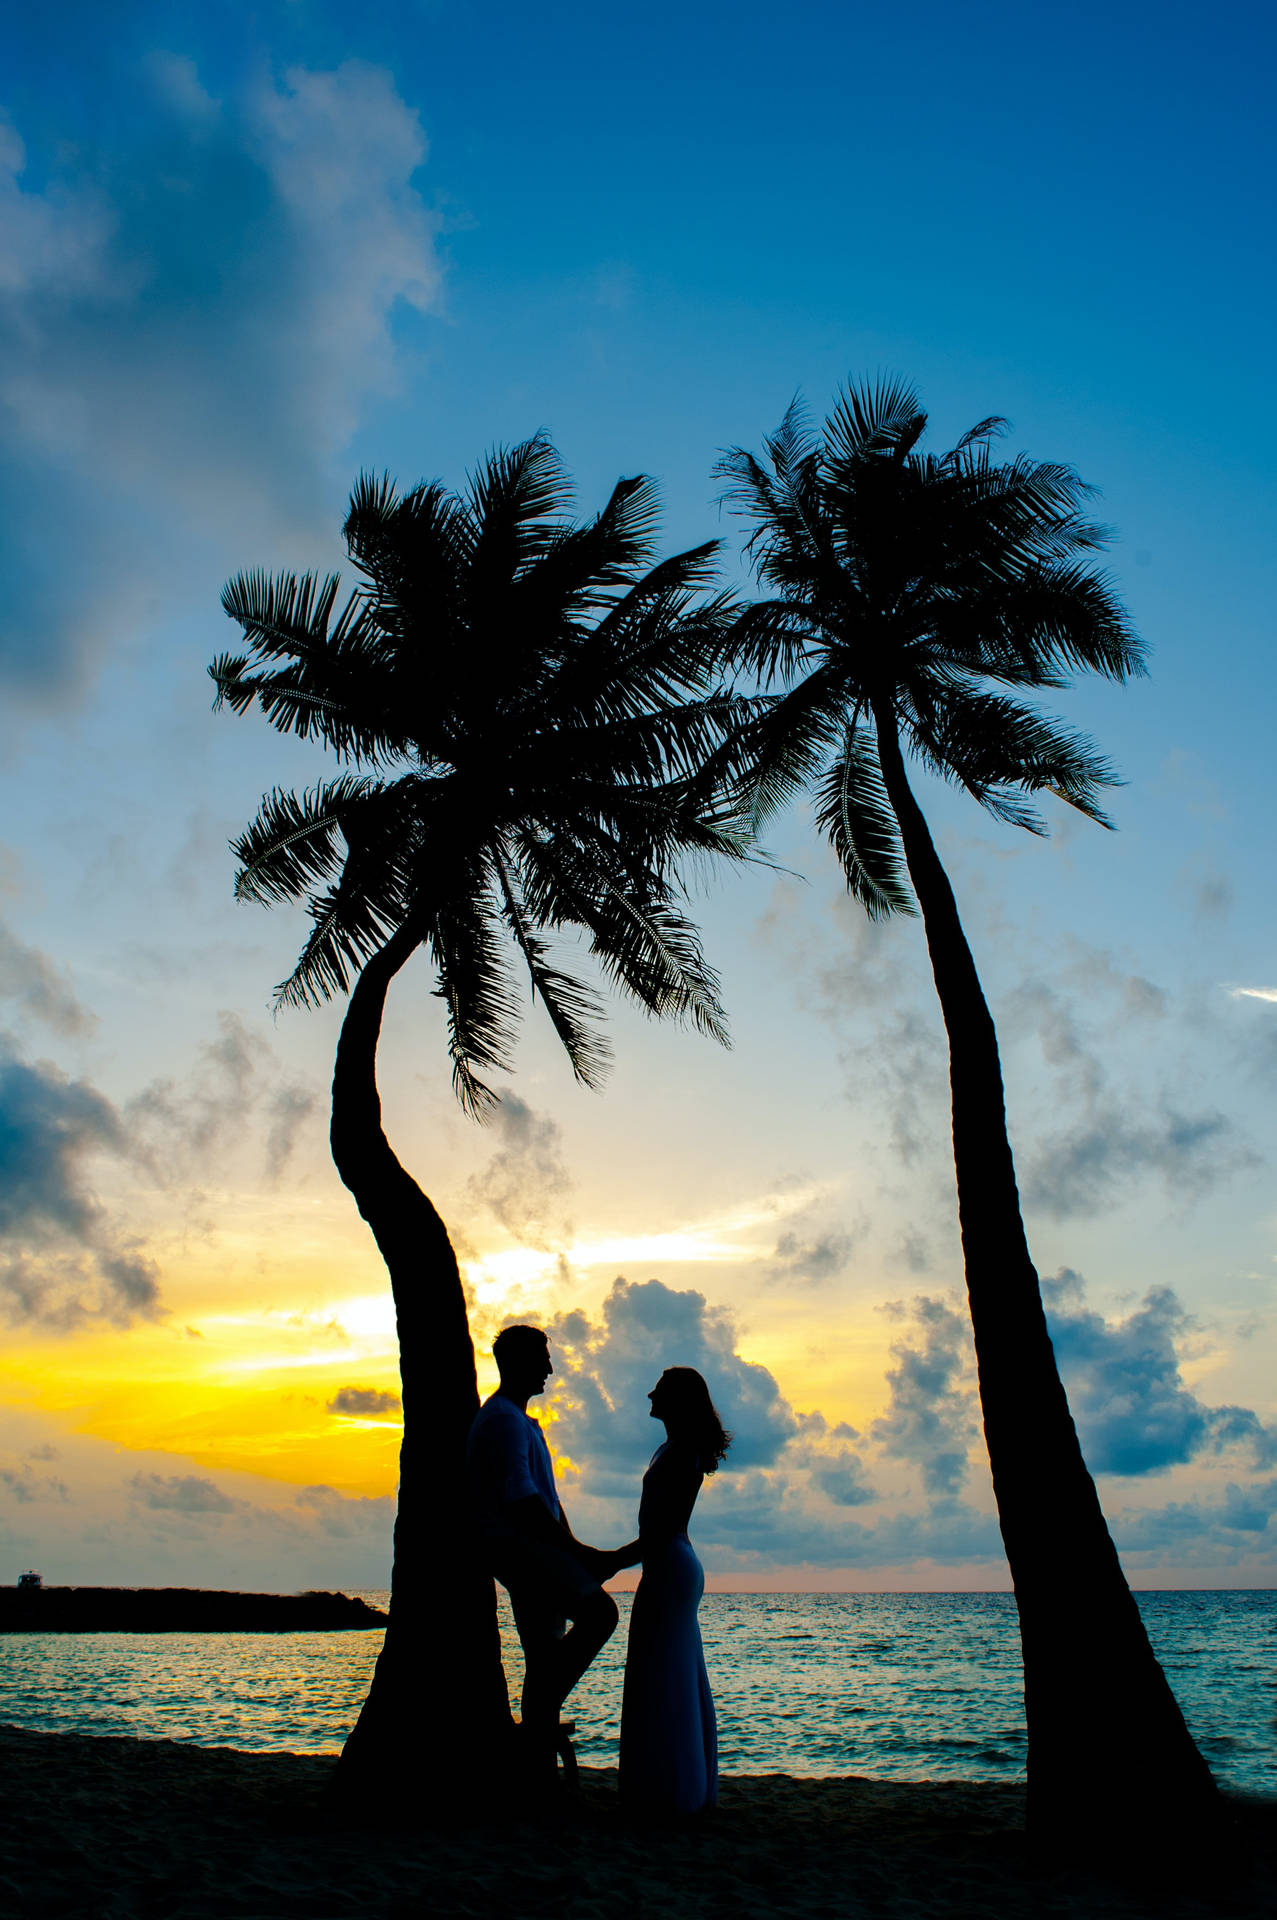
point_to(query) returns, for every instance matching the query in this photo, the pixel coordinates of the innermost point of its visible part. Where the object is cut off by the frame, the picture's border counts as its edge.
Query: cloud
(1134, 1413)
(64, 1262)
(525, 1183)
(26, 1485)
(1116, 1139)
(182, 1127)
(930, 1420)
(181, 1493)
(902, 1052)
(829, 1457)
(1081, 1168)
(1217, 1532)
(366, 1402)
(1253, 993)
(869, 986)
(346, 1517)
(911, 1251)
(601, 1399)
(786, 1492)
(165, 1520)
(199, 313)
(814, 1257)
(28, 977)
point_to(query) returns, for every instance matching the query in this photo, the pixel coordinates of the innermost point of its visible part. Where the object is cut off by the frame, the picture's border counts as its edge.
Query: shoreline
(161, 1830)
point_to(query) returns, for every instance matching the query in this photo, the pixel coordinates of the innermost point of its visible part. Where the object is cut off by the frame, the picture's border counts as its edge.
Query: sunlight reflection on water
(896, 1686)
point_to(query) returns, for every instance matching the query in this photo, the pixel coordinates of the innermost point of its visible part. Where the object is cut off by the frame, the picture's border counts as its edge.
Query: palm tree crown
(523, 705)
(910, 590)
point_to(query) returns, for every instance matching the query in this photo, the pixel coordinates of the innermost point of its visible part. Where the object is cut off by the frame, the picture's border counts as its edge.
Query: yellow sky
(242, 1371)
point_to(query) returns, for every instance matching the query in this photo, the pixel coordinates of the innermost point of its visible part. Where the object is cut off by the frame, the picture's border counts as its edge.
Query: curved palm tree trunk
(438, 1701)
(1108, 1748)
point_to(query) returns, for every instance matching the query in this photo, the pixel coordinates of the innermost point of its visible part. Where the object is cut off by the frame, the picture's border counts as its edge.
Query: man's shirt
(508, 1460)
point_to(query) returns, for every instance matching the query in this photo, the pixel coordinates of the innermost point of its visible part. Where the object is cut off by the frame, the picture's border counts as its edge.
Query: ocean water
(898, 1686)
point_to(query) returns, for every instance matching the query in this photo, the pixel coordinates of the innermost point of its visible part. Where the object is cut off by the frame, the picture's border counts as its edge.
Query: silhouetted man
(549, 1574)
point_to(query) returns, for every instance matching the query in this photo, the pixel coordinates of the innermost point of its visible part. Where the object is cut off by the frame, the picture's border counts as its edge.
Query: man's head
(522, 1355)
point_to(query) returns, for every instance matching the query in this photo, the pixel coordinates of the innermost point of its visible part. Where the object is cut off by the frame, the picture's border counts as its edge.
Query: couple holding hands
(668, 1732)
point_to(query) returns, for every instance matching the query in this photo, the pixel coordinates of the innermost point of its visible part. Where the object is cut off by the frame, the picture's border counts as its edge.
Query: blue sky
(247, 251)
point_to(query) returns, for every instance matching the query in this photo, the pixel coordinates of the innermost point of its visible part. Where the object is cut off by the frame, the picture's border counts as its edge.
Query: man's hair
(515, 1343)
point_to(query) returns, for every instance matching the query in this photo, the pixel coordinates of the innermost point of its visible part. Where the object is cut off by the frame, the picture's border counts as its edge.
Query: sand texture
(117, 1829)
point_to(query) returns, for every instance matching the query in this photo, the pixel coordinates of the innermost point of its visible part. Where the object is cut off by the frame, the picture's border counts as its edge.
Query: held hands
(606, 1561)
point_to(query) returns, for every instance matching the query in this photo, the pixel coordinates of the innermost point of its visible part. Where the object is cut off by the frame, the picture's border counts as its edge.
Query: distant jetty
(179, 1610)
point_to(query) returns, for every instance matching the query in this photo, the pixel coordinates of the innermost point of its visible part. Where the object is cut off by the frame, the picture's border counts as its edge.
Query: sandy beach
(118, 1829)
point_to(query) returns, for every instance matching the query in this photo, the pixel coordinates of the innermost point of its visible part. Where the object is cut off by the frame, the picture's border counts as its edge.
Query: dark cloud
(814, 1256)
(785, 1493)
(763, 1519)
(30, 979)
(899, 1052)
(343, 1517)
(1083, 1167)
(64, 1263)
(1133, 1411)
(1213, 897)
(601, 1395)
(182, 1493)
(366, 1402)
(911, 1251)
(871, 988)
(829, 1457)
(234, 1093)
(1116, 1140)
(286, 1111)
(930, 1419)
(26, 1485)
(1217, 1531)
(199, 315)
(525, 1183)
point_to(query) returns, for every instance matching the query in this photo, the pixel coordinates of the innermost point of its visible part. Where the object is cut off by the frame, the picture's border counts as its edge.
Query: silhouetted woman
(669, 1737)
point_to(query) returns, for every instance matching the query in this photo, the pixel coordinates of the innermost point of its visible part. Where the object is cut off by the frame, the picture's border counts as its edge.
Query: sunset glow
(242, 267)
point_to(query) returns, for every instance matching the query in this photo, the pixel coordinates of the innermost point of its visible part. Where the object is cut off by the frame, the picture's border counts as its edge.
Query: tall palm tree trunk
(438, 1703)
(1109, 1753)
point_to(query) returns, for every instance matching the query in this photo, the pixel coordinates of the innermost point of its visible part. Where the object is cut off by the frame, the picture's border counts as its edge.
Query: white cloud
(207, 338)
(1254, 993)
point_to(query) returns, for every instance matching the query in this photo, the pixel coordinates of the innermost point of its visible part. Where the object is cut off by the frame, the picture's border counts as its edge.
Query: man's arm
(532, 1517)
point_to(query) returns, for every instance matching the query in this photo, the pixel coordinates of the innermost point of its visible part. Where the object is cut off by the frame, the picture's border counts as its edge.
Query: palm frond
(641, 938)
(294, 841)
(515, 498)
(854, 813)
(574, 1009)
(1000, 751)
(284, 614)
(482, 1008)
(547, 709)
(772, 640)
(993, 427)
(785, 746)
(886, 417)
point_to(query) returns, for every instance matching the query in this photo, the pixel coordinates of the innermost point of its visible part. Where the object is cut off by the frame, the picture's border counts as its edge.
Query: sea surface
(898, 1686)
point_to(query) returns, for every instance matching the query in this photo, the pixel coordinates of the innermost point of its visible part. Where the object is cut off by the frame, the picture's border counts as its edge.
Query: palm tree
(908, 592)
(521, 705)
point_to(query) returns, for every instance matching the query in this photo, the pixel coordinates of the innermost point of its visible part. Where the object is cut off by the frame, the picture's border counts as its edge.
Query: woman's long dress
(669, 1736)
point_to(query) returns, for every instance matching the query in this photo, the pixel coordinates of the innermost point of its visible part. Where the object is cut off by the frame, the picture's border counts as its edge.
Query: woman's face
(661, 1398)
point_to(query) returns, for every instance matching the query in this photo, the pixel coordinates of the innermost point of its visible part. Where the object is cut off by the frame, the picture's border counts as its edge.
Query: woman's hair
(697, 1416)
